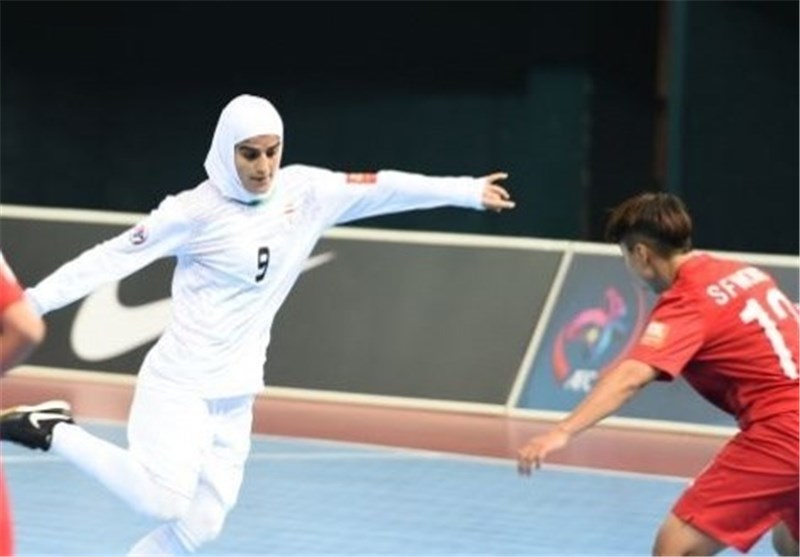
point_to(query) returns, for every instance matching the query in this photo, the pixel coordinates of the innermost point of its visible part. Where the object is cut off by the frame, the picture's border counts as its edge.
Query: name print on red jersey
(727, 288)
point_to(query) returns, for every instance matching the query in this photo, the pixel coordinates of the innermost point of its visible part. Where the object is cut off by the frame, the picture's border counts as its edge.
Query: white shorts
(183, 440)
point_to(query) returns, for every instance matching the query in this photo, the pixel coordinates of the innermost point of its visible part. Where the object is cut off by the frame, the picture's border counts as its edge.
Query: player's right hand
(534, 451)
(496, 197)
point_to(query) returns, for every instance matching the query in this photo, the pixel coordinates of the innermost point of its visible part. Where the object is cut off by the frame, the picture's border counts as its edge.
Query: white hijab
(244, 117)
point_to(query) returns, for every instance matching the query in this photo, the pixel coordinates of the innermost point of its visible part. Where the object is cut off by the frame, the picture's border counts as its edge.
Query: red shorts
(749, 487)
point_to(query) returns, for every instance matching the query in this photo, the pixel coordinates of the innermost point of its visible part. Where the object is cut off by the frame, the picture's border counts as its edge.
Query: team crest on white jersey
(138, 235)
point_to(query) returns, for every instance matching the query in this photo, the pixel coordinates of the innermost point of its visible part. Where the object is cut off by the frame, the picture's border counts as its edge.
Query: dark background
(111, 105)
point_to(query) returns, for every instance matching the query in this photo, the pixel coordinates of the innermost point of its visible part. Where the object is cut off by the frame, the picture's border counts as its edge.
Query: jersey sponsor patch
(361, 177)
(655, 334)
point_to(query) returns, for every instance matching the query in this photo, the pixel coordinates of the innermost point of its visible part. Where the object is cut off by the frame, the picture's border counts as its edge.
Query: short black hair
(659, 220)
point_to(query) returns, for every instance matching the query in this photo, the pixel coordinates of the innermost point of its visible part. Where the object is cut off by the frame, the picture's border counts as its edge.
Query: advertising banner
(433, 316)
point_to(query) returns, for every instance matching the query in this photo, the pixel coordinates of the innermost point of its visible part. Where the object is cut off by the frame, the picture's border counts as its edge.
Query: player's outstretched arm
(613, 390)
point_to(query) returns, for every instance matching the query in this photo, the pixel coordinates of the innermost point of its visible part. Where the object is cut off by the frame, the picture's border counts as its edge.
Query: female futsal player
(240, 239)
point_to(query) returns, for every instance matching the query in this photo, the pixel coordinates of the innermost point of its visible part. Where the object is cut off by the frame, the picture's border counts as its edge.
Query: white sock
(118, 471)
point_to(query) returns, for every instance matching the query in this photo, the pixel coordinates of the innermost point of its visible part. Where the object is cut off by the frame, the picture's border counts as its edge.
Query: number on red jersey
(780, 308)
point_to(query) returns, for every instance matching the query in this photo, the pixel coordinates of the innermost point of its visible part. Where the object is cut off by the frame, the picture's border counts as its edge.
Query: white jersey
(236, 263)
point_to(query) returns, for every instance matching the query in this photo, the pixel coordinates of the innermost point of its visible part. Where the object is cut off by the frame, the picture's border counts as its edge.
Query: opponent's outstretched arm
(613, 390)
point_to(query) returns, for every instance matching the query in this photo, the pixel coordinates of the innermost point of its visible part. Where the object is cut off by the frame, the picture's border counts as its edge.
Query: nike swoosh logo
(104, 328)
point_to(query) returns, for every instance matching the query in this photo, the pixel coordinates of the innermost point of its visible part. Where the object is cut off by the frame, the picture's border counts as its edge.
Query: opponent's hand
(495, 197)
(534, 451)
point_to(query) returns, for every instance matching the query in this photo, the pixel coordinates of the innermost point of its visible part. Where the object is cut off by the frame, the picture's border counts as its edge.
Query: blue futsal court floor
(310, 497)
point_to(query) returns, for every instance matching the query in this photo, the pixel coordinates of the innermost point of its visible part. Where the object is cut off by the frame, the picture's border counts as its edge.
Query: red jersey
(731, 333)
(10, 290)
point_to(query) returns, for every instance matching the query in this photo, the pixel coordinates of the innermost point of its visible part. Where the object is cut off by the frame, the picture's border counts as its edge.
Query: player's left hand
(496, 197)
(533, 453)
